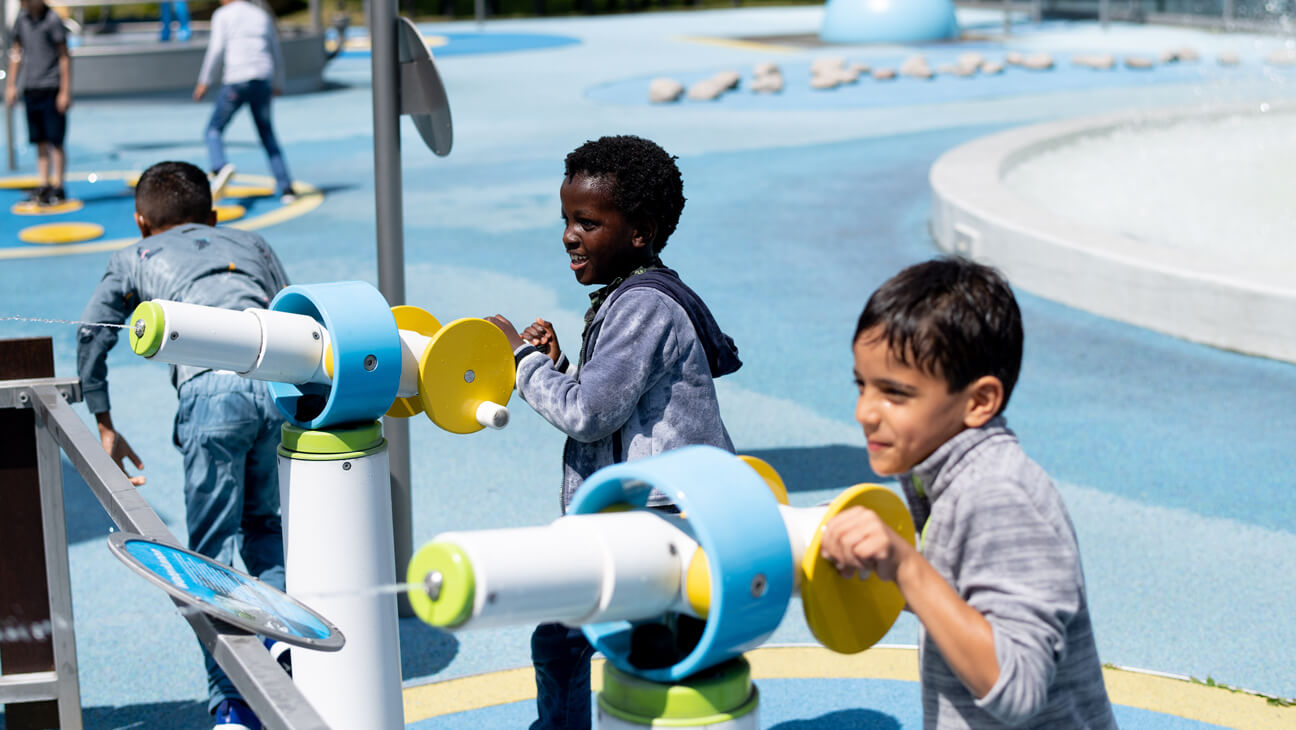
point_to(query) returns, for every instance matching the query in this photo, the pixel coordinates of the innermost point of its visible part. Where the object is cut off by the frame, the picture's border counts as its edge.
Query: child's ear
(645, 235)
(212, 218)
(142, 223)
(985, 398)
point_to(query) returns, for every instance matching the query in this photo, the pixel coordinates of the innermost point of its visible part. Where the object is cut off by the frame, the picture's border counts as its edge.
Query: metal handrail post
(49, 470)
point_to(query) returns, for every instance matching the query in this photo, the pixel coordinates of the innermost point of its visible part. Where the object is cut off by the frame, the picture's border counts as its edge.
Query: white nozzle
(492, 415)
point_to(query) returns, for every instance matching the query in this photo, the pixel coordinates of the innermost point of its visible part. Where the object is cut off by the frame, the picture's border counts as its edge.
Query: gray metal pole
(1007, 5)
(1104, 13)
(317, 16)
(391, 248)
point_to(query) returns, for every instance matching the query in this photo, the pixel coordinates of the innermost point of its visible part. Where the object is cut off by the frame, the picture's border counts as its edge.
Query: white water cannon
(336, 353)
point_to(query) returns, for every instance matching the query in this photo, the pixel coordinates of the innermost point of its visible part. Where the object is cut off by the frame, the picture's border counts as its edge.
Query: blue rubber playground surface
(1175, 459)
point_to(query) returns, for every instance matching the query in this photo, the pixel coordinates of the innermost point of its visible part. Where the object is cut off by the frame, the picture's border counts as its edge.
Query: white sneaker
(220, 180)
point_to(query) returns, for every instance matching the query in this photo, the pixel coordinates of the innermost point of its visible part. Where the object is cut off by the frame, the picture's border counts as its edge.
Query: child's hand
(508, 329)
(858, 541)
(542, 335)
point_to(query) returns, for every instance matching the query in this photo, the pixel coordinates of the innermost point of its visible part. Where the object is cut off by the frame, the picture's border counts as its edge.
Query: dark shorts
(45, 123)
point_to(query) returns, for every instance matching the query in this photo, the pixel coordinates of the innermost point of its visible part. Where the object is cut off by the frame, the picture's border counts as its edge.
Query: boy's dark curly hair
(647, 186)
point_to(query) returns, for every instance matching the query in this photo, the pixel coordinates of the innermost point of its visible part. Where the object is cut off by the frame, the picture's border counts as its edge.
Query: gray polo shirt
(40, 41)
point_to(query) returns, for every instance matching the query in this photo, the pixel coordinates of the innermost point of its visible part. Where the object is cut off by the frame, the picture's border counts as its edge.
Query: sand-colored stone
(768, 83)
(916, 67)
(1228, 58)
(1014, 58)
(1038, 62)
(884, 74)
(663, 91)
(829, 63)
(705, 90)
(766, 68)
(972, 59)
(1097, 61)
(824, 81)
(1282, 57)
(1140, 63)
(992, 68)
(727, 79)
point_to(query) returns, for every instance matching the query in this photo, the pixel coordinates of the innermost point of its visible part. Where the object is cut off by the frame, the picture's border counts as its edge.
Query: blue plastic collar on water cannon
(737, 523)
(360, 324)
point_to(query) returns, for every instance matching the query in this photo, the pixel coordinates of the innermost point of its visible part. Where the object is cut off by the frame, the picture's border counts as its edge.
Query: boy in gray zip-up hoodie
(996, 580)
(644, 382)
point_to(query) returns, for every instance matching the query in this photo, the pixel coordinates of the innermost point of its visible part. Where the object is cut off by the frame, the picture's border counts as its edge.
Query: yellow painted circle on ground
(247, 191)
(28, 207)
(849, 615)
(468, 361)
(229, 213)
(61, 233)
(769, 474)
(417, 320)
(20, 183)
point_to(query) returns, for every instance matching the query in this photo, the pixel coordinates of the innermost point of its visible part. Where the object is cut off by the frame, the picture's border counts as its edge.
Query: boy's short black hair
(647, 185)
(950, 318)
(173, 193)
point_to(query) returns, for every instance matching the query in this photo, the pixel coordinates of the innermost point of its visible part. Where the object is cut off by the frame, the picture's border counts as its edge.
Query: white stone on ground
(1098, 61)
(663, 90)
(705, 90)
(1228, 58)
(727, 79)
(1038, 62)
(884, 74)
(1141, 63)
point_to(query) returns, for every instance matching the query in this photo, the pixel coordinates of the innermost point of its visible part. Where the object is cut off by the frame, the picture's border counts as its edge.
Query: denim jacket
(191, 263)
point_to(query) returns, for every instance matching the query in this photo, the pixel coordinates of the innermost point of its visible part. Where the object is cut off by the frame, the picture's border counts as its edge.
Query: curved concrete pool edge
(1234, 305)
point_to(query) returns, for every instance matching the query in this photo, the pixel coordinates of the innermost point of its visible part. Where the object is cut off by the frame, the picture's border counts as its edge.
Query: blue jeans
(227, 428)
(256, 94)
(182, 20)
(561, 657)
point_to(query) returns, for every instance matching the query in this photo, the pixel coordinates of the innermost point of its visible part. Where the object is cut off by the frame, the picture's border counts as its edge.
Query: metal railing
(1263, 16)
(264, 685)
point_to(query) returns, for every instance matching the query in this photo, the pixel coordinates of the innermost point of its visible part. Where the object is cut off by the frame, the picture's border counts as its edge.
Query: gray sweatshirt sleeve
(1019, 572)
(635, 344)
(112, 302)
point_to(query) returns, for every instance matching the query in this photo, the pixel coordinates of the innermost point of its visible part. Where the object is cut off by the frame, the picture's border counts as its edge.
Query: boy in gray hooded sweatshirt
(650, 351)
(996, 580)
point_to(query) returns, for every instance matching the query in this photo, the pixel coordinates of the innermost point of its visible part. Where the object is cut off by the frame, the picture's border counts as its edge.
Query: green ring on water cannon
(453, 600)
(147, 329)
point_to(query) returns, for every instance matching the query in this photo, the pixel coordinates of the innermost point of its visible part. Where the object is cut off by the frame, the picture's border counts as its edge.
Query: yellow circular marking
(1173, 696)
(28, 207)
(309, 198)
(697, 584)
(417, 320)
(848, 614)
(328, 360)
(247, 191)
(56, 233)
(468, 361)
(132, 180)
(769, 474)
(225, 213)
(435, 41)
(26, 182)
